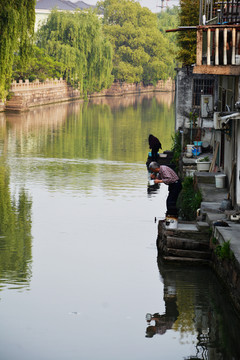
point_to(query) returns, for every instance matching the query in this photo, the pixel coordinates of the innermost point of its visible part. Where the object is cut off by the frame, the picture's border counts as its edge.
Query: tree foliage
(141, 52)
(187, 39)
(39, 66)
(15, 228)
(169, 19)
(77, 41)
(17, 18)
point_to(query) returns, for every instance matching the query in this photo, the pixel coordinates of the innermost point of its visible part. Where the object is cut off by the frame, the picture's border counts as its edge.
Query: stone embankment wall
(25, 95)
(119, 89)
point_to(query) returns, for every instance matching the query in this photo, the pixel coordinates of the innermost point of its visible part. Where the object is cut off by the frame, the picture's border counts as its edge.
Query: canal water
(79, 276)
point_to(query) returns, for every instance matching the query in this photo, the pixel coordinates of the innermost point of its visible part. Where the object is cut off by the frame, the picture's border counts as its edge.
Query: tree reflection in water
(15, 234)
(195, 305)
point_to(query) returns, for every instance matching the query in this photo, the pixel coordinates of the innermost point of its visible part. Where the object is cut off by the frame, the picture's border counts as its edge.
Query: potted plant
(203, 164)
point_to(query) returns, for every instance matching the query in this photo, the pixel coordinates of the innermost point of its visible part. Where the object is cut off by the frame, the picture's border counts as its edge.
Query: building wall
(184, 101)
(231, 157)
(238, 167)
(183, 96)
(41, 18)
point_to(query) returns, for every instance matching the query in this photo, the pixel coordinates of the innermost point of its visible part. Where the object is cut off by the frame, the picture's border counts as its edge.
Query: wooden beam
(209, 47)
(233, 46)
(199, 48)
(212, 166)
(225, 46)
(217, 70)
(217, 47)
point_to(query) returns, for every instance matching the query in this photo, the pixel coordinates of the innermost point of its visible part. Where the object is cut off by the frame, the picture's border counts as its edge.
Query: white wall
(41, 17)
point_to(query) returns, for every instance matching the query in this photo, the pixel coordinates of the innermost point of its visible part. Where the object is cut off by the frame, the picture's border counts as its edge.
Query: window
(201, 87)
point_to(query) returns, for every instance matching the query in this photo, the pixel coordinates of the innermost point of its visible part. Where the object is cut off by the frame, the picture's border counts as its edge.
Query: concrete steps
(186, 244)
(194, 235)
(189, 253)
(189, 242)
(16, 103)
(191, 261)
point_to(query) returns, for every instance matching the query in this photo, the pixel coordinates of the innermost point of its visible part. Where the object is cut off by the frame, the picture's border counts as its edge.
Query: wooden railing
(222, 45)
(220, 11)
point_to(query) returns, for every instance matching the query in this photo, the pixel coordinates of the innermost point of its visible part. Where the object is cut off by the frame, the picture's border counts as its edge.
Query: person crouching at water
(164, 174)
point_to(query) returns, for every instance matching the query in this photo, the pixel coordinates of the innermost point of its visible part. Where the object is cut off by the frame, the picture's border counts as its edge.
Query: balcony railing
(219, 12)
(218, 46)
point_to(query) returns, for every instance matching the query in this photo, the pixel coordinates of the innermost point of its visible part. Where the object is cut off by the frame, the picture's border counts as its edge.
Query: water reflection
(74, 145)
(91, 223)
(98, 129)
(15, 234)
(194, 305)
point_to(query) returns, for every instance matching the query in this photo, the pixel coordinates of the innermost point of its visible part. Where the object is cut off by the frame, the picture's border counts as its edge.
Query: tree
(77, 41)
(169, 19)
(140, 50)
(187, 39)
(39, 66)
(17, 18)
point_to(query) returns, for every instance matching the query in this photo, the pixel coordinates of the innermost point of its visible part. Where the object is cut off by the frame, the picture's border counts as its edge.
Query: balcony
(218, 49)
(219, 11)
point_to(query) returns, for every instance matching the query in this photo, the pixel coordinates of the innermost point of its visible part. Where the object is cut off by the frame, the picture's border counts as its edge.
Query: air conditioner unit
(206, 106)
(217, 121)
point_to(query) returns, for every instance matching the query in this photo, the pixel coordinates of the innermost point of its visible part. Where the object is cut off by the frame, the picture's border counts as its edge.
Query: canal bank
(26, 95)
(212, 240)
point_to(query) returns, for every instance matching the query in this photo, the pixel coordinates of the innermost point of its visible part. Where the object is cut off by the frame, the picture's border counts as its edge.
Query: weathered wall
(238, 168)
(184, 97)
(26, 95)
(118, 88)
(229, 273)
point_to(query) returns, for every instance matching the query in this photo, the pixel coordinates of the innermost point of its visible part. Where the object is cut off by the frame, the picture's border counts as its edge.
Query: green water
(78, 260)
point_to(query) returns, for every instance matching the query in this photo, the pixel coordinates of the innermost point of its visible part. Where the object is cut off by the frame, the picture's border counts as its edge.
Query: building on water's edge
(208, 119)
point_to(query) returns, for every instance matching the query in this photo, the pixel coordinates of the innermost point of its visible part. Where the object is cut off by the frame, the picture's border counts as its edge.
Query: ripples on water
(78, 269)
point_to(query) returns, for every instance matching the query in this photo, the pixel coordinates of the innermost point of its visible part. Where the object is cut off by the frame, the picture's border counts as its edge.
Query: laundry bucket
(220, 181)
(171, 222)
(189, 149)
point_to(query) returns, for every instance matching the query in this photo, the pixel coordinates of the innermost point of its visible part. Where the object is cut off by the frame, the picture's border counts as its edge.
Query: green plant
(189, 200)
(205, 159)
(224, 251)
(193, 118)
(9, 95)
(176, 149)
(214, 240)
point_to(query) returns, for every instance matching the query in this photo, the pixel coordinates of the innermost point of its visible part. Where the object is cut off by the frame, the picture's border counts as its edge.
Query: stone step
(14, 104)
(192, 261)
(213, 217)
(205, 177)
(203, 226)
(186, 244)
(189, 234)
(189, 253)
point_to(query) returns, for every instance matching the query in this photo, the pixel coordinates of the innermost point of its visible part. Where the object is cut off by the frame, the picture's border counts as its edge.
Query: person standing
(164, 174)
(154, 145)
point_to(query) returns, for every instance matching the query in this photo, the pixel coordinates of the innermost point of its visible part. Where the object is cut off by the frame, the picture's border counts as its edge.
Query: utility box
(206, 106)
